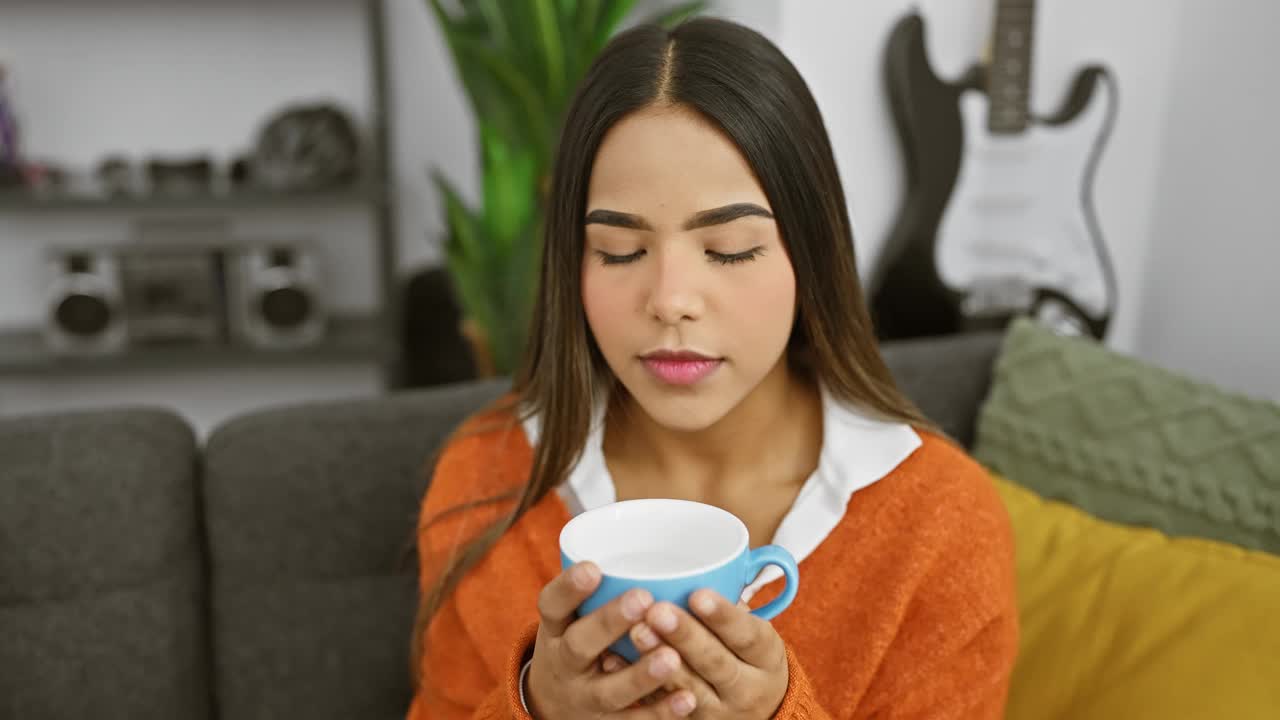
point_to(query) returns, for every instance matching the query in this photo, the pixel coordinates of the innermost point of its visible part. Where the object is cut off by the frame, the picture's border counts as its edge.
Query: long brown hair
(737, 79)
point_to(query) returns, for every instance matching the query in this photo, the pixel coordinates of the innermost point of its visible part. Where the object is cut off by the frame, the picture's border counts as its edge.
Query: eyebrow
(705, 218)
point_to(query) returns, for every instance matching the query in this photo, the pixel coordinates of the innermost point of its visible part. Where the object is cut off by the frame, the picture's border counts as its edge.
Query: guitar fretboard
(1009, 76)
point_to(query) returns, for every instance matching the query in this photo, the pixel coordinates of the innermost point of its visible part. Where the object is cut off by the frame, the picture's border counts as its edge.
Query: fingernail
(612, 664)
(664, 619)
(663, 664)
(584, 576)
(644, 638)
(635, 603)
(682, 704)
(703, 604)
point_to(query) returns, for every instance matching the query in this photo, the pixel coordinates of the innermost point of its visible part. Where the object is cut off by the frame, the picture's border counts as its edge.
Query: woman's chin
(685, 409)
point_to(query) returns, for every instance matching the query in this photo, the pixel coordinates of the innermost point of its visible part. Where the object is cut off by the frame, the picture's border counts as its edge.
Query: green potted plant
(519, 62)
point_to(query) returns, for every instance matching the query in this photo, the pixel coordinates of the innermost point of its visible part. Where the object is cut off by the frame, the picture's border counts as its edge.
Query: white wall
(431, 127)
(177, 77)
(156, 75)
(1185, 187)
(173, 78)
(1213, 273)
(185, 76)
(839, 50)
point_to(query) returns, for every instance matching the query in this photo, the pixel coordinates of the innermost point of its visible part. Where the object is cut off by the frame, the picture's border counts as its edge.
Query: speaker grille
(83, 315)
(285, 307)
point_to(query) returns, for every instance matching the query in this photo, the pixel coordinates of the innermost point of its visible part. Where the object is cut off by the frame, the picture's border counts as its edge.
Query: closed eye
(611, 259)
(734, 258)
(718, 257)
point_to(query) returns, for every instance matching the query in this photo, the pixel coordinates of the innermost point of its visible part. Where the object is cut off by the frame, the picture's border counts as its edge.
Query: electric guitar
(998, 218)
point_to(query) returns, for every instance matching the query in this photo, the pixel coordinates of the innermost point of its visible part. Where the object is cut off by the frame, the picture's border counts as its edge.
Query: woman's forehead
(669, 161)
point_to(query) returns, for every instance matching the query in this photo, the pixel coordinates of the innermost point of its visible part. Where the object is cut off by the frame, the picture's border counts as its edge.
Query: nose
(674, 292)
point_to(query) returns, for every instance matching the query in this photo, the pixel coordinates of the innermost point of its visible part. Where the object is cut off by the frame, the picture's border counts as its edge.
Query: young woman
(700, 333)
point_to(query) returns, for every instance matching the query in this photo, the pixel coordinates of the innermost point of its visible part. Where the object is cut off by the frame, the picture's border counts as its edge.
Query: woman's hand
(735, 663)
(566, 679)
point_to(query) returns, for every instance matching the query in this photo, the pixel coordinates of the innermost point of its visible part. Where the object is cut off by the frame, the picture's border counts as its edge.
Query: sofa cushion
(1132, 443)
(1124, 622)
(101, 589)
(311, 513)
(947, 377)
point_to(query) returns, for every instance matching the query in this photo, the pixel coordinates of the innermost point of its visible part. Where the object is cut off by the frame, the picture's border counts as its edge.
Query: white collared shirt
(857, 450)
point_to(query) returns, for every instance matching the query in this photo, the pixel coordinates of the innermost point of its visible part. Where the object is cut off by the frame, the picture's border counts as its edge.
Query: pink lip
(680, 369)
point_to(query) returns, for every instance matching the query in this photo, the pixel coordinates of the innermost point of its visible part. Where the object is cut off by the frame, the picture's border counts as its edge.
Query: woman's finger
(611, 663)
(747, 636)
(590, 636)
(701, 650)
(670, 707)
(615, 692)
(561, 597)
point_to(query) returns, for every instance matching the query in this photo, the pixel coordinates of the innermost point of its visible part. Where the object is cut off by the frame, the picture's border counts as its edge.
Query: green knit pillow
(1132, 443)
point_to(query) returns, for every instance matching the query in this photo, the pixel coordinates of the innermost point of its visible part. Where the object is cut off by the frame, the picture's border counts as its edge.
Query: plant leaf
(507, 78)
(587, 18)
(496, 21)
(495, 79)
(552, 47)
(611, 15)
(463, 227)
(510, 193)
(466, 256)
(672, 17)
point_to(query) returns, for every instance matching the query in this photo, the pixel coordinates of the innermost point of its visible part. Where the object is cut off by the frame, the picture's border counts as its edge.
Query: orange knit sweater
(907, 610)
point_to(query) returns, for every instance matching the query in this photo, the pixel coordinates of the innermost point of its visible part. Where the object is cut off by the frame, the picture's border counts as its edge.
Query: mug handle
(763, 557)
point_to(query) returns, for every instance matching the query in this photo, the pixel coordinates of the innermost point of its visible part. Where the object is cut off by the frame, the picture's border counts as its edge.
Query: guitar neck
(1009, 75)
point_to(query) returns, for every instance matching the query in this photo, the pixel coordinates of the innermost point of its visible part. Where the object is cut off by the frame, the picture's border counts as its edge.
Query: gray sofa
(268, 574)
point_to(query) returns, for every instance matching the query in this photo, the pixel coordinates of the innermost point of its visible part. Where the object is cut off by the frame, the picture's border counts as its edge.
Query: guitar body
(991, 225)
(908, 298)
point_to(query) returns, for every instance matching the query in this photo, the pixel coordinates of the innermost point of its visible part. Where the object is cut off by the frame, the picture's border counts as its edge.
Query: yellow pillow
(1127, 623)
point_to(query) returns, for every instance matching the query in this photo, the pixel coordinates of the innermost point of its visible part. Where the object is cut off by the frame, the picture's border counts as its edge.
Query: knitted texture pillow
(1132, 443)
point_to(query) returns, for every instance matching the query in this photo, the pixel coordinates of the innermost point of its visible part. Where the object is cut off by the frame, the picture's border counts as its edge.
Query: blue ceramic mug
(670, 548)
